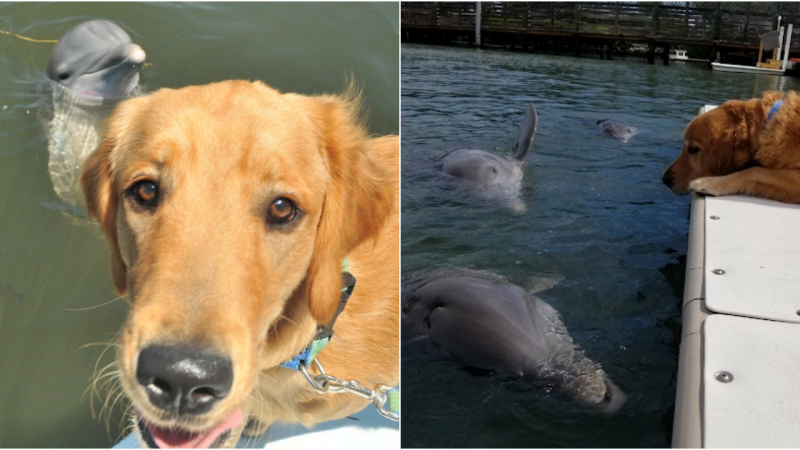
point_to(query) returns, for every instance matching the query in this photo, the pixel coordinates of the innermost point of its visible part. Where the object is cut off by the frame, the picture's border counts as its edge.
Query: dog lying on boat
(747, 147)
(229, 210)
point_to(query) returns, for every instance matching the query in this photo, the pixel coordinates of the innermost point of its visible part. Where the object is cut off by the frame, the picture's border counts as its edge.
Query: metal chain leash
(328, 384)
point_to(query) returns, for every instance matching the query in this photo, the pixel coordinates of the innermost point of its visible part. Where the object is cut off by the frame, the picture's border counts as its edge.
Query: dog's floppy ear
(101, 202)
(360, 197)
(752, 112)
(770, 97)
(744, 121)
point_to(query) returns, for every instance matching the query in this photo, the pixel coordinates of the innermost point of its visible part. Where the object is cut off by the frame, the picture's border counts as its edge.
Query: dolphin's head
(594, 389)
(96, 60)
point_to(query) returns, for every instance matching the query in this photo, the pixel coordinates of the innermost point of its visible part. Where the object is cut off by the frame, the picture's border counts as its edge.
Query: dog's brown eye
(692, 149)
(282, 210)
(145, 192)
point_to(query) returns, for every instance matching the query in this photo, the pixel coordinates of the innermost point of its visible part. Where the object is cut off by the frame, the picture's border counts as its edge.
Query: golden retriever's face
(720, 142)
(715, 143)
(212, 198)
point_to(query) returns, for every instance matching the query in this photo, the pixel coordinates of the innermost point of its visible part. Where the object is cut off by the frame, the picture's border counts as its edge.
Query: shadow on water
(597, 214)
(55, 287)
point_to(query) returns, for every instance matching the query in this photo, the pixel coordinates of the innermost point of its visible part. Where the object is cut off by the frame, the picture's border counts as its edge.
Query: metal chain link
(328, 384)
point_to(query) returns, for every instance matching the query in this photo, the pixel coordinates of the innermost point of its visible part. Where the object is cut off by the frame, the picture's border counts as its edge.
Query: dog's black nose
(183, 379)
(667, 178)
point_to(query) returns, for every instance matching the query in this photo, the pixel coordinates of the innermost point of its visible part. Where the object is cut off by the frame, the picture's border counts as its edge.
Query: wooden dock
(729, 28)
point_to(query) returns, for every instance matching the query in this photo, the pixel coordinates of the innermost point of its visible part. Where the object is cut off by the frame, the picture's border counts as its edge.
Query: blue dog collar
(307, 356)
(775, 107)
(324, 334)
(379, 396)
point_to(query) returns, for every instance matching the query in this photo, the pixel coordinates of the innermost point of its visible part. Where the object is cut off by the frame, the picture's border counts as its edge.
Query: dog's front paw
(709, 186)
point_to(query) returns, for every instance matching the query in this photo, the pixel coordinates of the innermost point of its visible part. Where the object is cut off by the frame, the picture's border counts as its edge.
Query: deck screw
(714, 217)
(724, 377)
(718, 272)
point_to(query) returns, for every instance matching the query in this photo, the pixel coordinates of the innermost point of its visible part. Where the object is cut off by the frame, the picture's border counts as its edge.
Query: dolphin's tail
(526, 133)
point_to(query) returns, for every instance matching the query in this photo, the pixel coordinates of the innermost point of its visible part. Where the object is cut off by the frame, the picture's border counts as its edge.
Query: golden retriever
(738, 148)
(229, 209)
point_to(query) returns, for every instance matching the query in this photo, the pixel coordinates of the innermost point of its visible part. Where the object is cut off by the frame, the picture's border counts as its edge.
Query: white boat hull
(745, 69)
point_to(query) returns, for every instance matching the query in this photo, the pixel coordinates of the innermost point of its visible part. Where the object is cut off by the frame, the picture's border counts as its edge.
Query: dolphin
(96, 61)
(483, 322)
(488, 169)
(616, 129)
(92, 68)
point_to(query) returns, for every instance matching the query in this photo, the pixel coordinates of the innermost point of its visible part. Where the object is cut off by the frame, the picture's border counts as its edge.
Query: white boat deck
(773, 40)
(740, 347)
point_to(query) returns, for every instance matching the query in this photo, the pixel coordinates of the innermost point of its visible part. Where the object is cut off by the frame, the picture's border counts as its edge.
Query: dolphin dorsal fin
(526, 133)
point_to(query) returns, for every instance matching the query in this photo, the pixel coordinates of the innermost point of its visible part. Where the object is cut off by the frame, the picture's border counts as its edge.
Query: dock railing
(739, 23)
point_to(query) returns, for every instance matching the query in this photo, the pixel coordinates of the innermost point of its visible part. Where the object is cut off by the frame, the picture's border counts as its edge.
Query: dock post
(666, 54)
(478, 24)
(786, 48)
(651, 52)
(746, 21)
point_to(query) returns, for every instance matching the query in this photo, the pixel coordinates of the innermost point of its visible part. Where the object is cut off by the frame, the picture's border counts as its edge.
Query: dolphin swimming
(483, 322)
(92, 67)
(488, 169)
(616, 129)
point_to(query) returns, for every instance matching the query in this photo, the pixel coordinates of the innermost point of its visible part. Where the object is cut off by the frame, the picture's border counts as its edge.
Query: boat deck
(740, 346)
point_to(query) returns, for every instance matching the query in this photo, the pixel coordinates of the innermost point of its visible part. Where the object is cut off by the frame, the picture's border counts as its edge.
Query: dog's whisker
(101, 383)
(108, 397)
(110, 381)
(102, 373)
(286, 318)
(117, 400)
(93, 387)
(108, 404)
(105, 379)
(94, 307)
(95, 344)
(110, 411)
(130, 427)
(97, 388)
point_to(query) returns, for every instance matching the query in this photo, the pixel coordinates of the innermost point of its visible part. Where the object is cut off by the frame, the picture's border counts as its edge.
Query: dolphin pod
(488, 169)
(483, 322)
(92, 67)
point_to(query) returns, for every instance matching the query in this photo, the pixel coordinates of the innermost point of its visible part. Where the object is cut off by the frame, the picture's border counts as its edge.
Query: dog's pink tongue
(166, 438)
